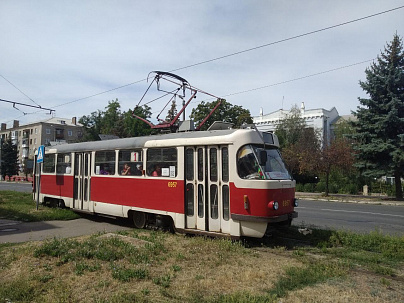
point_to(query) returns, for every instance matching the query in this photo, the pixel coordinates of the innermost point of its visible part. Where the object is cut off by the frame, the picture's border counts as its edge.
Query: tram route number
(285, 203)
(172, 184)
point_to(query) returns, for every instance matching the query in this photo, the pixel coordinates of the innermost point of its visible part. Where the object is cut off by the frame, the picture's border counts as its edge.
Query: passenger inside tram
(126, 170)
(157, 171)
(104, 170)
(138, 170)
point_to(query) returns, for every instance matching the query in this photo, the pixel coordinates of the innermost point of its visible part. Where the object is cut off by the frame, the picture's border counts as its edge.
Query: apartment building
(48, 132)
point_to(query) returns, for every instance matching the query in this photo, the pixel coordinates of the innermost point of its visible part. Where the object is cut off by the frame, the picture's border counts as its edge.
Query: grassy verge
(150, 266)
(21, 207)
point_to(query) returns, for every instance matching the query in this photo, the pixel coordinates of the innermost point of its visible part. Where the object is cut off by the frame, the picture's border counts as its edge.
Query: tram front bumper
(274, 219)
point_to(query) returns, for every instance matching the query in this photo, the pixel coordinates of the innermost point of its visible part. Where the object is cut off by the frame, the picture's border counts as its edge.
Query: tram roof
(186, 138)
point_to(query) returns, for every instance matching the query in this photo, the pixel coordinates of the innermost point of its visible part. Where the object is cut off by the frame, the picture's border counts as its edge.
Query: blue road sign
(41, 154)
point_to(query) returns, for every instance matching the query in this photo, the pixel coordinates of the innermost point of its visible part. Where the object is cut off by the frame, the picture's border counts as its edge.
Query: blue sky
(60, 51)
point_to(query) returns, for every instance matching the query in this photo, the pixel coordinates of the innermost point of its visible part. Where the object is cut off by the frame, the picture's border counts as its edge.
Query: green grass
(171, 268)
(298, 278)
(21, 207)
(87, 254)
(374, 251)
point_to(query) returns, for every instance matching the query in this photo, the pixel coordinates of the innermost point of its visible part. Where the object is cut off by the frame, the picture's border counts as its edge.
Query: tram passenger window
(130, 162)
(225, 164)
(63, 164)
(213, 164)
(226, 202)
(189, 164)
(105, 163)
(200, 164)
(49, 163)
(162, 162)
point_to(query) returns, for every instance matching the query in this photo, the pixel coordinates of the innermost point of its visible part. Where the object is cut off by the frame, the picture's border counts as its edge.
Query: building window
(70, 133)
(48, 131)
(36, 131)
(59, 134)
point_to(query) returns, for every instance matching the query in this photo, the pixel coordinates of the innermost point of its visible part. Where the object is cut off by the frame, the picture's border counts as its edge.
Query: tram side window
(162, 162)
(225, 164)
(49, 164)
(130, 162)
(63, 164)
(105, 163)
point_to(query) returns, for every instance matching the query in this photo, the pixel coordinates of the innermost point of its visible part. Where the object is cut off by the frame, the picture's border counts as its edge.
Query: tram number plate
(285, 203)
(172, 184)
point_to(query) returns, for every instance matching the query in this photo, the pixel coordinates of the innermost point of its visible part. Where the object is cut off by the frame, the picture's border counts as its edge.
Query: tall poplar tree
(380, 125)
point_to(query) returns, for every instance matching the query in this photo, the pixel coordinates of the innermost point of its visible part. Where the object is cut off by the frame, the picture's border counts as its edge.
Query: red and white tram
(223, 182)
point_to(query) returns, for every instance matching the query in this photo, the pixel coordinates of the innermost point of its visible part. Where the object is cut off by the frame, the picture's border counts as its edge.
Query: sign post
(39, 161)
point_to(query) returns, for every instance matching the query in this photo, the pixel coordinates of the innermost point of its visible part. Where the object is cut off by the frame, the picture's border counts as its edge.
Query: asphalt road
(22, 187)
(356, 217)
(16, 232)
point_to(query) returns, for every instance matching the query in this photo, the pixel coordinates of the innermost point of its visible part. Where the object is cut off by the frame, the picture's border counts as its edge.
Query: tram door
(207, 190)
(82, 165)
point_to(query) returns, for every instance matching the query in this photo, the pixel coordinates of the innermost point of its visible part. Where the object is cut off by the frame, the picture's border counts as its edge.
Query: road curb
(362, 201)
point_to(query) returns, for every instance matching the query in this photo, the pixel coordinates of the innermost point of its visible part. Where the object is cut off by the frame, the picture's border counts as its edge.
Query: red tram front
(221, 183)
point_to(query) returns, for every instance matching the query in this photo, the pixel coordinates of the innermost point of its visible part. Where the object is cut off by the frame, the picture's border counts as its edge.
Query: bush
(309, 187)
(300, 187)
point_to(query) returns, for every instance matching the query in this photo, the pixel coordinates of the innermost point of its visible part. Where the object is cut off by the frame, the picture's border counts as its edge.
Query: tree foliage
(113, 121)
(9, 155)
(336, 155)
(226, 112)
(299, 145)
(380, 120)
(291, 128)
(305, 155)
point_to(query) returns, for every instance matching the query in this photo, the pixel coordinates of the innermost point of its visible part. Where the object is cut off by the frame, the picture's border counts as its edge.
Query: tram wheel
(139, 219)
(60, 204)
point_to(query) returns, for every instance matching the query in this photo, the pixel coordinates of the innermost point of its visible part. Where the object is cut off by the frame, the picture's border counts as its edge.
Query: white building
(320, 119)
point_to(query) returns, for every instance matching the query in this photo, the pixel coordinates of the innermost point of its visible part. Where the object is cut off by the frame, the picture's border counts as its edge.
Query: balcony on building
(59, 134)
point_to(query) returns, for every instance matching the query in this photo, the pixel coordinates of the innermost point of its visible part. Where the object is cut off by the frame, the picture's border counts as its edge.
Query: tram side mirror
(263, 157)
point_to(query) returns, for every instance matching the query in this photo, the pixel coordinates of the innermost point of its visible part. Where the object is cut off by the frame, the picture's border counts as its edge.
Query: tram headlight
(295, 202)
(274, 205)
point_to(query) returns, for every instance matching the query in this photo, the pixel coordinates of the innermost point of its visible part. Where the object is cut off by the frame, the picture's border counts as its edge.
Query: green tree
(172, 112)
(226, 112)
(92, 126)
(291, 128)
(380, 124)
(344, 129)
(300, 145)
(9, 155)
(135, 127)
(114, 122)
(338, 155)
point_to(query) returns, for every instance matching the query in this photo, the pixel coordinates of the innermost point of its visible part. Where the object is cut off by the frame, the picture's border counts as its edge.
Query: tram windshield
(255, 162)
